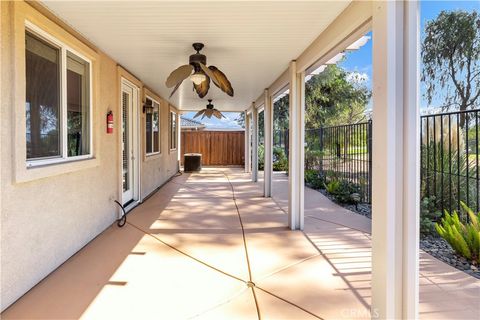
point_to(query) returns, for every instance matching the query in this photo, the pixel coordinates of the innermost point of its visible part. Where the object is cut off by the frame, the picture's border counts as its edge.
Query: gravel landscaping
(441, 250)
(363, 209)
(435, 246)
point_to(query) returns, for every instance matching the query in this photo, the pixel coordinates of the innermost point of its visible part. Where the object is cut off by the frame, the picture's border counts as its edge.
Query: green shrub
(333, 186)
(314, 179)
(344, 191)
(280, 161)
(429, 215)
(312, 159)
(464, 238)
(261, 156)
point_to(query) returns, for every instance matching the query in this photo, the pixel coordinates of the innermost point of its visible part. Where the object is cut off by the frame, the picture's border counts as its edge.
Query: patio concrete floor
(182, 256)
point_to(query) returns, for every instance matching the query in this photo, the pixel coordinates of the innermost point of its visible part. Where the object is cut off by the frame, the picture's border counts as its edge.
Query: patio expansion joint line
(339, 224)
(251, 284)
(186, 254)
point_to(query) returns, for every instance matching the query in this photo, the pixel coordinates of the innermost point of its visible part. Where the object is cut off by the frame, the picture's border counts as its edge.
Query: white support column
(296, 148)
(179, 140)
(395, 194)
(254, 144)
(248, 149)
(268, 136)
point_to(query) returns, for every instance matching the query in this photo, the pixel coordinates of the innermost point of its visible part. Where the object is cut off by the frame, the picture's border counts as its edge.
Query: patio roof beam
(352, 23)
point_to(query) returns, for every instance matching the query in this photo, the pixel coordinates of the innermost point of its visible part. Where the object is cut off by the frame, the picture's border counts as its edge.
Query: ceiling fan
(209, 111)
(201, 75)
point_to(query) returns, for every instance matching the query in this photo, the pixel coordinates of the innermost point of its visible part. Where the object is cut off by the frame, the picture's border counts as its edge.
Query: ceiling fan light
(198, 78)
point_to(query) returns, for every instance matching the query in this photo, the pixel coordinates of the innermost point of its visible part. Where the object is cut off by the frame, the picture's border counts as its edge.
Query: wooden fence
(218, 148)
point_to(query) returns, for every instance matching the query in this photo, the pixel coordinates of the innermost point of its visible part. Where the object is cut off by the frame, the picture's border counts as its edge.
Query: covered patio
(203, 259)
(213, 244)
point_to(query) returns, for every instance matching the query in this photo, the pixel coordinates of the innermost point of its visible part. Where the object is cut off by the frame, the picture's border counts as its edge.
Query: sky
(360, 61)
(214, 123)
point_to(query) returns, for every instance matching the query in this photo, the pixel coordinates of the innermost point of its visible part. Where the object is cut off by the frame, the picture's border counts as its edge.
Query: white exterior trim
(268, 144)
(297, 148)
(153, 153)
(64, 48)
(395, 174)
(254, 144)
(248, 148)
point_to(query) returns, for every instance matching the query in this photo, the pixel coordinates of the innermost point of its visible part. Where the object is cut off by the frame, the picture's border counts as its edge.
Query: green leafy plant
(344, 191)
(261, 156)
(315, 179)
(464, 238)
(429, 215)
(333, 186)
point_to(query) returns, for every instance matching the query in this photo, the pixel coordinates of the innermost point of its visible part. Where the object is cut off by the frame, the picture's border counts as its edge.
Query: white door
(129, 101)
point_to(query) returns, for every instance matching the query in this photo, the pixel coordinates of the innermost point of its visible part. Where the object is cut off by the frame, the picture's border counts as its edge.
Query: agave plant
(463, 238)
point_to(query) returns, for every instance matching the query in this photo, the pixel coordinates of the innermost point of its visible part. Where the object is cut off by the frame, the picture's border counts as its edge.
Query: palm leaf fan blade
(199, 113)
(210, 74)
(222, 81)
(208, 113)
(217, 114)
(175, 89)
(202, 88)
(178, 75)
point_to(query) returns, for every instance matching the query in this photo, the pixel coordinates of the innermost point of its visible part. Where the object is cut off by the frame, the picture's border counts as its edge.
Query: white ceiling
(251, 42)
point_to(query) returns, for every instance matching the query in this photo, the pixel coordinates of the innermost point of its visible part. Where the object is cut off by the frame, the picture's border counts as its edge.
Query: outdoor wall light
(147, 107)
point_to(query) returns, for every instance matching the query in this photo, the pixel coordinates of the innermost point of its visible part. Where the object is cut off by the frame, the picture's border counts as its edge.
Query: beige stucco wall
(49, 214)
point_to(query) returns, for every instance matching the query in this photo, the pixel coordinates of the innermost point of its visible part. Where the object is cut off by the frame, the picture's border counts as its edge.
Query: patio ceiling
(251, 42)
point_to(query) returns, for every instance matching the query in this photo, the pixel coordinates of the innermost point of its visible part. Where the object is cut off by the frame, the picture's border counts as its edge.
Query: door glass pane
(156, 128)
(78, 106)
(125, 142)
(42, 98)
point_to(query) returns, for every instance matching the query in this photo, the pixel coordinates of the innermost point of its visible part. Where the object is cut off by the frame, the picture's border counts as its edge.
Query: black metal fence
(339, 152)
(343, 153)
(449, 156)
(450, 159)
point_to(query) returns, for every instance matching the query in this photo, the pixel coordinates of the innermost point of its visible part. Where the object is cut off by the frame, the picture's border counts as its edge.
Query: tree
(280, 113)
(240, 120)
(335, 97)
(451, 60)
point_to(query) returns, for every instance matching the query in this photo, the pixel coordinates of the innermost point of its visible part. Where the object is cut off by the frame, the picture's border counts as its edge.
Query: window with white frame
(152, 127)
(58, 101)
(173, 130)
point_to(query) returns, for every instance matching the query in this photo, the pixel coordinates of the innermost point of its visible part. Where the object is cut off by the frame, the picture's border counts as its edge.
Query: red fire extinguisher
(110, 122)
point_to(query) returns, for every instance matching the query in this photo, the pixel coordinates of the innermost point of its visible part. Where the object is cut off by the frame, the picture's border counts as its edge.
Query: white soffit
(251, 42)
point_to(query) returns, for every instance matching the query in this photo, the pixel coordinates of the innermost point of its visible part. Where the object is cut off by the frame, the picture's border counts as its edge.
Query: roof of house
(190, 123)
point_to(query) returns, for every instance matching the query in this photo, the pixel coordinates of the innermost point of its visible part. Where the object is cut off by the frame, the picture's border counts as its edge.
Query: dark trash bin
(192, 162)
